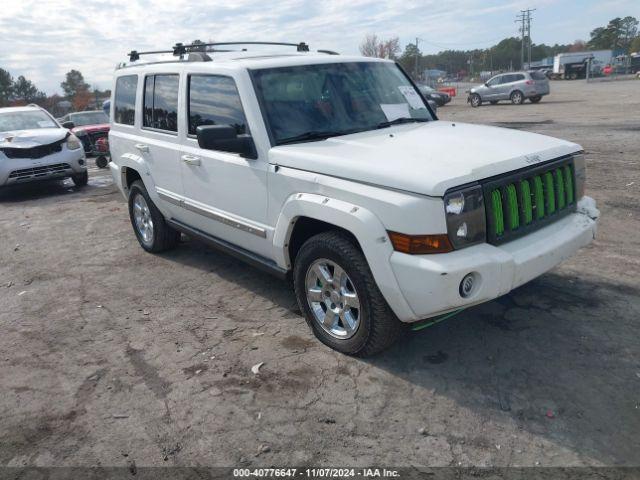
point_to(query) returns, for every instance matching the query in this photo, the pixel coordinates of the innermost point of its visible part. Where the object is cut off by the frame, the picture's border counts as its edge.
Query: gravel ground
(112, 356)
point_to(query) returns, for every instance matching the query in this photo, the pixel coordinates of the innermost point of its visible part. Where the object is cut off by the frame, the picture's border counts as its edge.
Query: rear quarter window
(125, 100)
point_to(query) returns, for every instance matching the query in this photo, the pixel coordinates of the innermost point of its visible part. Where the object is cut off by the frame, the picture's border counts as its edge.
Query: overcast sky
(43, 39)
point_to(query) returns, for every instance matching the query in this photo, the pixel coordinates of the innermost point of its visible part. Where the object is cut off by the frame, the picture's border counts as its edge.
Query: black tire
(102, 161)
(535, 99)
(476, 100)
(81, 179)
(163, 237)
(493, 102)
(378, 326)
(517, 98)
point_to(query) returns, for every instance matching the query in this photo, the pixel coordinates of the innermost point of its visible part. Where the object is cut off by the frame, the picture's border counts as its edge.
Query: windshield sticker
(394, 111)
(411, 96)
(45, 124)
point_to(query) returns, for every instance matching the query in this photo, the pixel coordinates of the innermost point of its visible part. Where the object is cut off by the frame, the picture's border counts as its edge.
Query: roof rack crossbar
(180, 49)
(135, 55)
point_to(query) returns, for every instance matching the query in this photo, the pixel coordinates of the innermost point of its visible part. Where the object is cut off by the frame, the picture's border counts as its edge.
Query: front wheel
(535, 99)
(339, 297)
(476, 101)
(81, 179)
(517, 98)
(148, 223)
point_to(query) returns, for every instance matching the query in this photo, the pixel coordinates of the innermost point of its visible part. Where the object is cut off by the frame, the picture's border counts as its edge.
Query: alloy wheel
(143, 220)
(333, 299)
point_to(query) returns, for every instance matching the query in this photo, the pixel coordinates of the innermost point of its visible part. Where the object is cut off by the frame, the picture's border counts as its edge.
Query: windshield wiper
(314, 135)
(400, 120)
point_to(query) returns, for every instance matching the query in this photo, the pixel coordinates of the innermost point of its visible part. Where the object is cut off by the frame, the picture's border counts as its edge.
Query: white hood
(31, 138)
(426, 158)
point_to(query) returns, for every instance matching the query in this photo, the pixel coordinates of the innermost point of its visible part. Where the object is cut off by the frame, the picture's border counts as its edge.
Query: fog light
(467, 285)
(81, 162)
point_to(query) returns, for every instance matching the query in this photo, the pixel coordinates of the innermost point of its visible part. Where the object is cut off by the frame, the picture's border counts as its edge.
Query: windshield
(25, 120)
(317, 101)
(88, 118)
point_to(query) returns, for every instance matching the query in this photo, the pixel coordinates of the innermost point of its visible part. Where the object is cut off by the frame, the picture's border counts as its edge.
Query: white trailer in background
(573, 65)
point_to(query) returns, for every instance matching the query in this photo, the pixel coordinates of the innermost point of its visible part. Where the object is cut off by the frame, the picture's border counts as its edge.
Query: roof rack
(179, 49)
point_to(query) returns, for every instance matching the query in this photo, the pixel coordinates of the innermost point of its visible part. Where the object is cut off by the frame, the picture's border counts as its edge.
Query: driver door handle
(191, 160)
(142, 147)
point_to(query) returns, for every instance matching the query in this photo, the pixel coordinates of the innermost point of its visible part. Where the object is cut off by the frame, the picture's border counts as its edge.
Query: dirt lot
(112, 356)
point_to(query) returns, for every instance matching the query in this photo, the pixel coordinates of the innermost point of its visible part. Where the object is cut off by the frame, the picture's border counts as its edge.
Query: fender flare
(361, 222)
(137, 163)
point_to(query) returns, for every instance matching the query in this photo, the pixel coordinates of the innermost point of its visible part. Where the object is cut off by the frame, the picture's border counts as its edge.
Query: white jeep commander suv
(333, 171)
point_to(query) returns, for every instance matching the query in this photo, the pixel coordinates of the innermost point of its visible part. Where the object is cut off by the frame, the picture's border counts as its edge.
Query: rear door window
(125, 100)
(214, 100)
(161, 102)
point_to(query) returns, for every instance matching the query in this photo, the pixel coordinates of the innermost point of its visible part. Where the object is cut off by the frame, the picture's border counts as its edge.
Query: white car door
(159, 143)
(225, 194)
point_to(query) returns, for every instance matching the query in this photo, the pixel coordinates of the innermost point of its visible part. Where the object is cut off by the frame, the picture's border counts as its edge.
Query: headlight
(73, 143)
(466, 223)
(580, 168)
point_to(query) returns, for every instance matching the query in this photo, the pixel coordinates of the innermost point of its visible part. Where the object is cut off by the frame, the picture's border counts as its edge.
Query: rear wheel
(102, 161)
(148, 223)
(535, 99)
(517, 98)
(81, 179)
(476, 101)
(339, 297)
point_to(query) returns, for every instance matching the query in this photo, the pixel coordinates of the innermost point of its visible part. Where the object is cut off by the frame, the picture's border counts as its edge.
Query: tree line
(21, 91)
(620, 35)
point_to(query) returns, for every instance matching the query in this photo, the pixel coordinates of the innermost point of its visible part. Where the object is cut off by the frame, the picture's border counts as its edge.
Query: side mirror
(225, 138)
(69, 124)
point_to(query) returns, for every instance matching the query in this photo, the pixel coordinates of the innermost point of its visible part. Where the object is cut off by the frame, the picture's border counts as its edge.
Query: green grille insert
(538, 196)
(550, 194)
(496, 207)
(525, 201)
(560, 188)
(568, 183)
(512, 205)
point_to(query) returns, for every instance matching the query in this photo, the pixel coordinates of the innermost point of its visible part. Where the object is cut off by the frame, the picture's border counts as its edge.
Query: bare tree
(371, 46)
(390, 48)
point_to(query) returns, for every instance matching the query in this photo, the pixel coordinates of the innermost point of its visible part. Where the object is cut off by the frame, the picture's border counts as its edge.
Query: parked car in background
(440, 98)
(88, 126)
(513, 86)
(34, 146)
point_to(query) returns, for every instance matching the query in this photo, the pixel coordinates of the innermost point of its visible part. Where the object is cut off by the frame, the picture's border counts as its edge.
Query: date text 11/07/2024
(316, 473)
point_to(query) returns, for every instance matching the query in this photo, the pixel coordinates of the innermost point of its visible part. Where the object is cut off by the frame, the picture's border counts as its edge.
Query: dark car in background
(440, 98)
(88, 127)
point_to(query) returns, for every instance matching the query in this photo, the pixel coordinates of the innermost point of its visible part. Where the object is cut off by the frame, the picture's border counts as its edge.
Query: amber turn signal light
(420, 244)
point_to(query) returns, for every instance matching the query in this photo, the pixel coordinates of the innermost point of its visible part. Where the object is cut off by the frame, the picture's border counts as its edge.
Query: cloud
(44, 39)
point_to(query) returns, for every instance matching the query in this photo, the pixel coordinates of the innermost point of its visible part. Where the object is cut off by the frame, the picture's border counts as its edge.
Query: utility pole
(417, 73)
(524, 18)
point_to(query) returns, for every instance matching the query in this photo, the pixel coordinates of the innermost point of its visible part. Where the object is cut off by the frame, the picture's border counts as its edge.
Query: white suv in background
(333, 171)
(34, 146)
